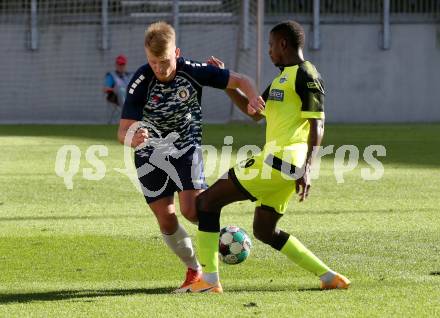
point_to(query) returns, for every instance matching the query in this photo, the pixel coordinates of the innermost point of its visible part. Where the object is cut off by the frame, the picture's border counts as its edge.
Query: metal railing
(40, 13)
(355, 11)
(331, 11)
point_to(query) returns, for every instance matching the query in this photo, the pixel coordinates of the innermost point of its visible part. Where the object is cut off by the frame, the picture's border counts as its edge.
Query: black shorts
(162, 178)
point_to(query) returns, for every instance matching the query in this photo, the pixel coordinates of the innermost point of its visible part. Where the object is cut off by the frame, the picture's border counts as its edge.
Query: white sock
(180, 243)
(211, 278)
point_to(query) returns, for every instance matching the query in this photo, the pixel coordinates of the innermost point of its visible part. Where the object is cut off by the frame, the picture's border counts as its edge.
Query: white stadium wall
(368, 84)
(61, 82)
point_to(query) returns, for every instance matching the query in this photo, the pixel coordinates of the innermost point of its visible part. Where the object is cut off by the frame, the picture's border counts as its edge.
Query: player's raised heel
(338, 282)
(192, 276)
(201, 287)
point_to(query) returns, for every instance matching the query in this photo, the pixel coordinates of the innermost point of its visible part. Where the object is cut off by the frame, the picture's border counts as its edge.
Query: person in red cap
(121, 61)
(116, 83)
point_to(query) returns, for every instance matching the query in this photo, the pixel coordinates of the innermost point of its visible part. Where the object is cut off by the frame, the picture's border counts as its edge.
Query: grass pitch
(96, 251)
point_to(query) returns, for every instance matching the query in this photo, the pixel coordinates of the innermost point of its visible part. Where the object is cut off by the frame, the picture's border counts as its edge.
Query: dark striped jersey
(175, 106)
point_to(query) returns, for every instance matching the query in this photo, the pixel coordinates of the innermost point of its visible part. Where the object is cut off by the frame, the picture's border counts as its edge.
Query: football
(234, 245)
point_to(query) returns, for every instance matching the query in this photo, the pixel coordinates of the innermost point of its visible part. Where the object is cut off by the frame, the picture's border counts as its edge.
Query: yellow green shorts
(261, 178)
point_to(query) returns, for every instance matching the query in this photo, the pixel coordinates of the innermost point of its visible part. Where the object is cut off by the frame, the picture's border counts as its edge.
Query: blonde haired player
(164, 97)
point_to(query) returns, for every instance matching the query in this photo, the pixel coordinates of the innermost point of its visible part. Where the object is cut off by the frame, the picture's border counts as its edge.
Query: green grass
(96, 251)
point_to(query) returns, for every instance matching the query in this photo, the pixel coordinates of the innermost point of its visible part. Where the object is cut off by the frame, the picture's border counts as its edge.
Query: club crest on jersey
(183, 94)
(283, 79)
(276, 94)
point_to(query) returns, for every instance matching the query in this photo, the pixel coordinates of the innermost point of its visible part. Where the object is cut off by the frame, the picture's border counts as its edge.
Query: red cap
(121, 60)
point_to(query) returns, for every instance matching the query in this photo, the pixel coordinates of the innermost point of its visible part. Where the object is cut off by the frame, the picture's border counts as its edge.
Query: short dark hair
(292, 31)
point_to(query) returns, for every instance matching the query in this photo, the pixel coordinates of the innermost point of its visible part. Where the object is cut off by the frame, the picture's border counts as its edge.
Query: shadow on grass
(270, 288)
(68, 217)
(79, 294)
(88, 295)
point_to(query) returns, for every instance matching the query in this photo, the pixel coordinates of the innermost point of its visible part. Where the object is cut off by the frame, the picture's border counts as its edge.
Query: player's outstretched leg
(177, 239)
(265, 230)
(209, 205)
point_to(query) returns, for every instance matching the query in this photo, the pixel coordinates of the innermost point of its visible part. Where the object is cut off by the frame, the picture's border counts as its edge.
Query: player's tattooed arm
(236, 95)
(315, 138)
(130, 134)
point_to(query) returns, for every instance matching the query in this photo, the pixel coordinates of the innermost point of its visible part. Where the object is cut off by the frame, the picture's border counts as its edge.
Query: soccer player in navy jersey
(162, 120)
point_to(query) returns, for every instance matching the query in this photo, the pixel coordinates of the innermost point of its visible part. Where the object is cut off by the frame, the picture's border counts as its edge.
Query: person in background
(115, 86)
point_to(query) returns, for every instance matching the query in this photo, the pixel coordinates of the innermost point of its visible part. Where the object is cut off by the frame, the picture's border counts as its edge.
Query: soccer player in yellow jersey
(294, 111)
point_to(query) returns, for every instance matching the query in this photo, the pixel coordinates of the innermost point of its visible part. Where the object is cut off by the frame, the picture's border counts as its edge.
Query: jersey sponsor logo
(283, 79)
(276, 94)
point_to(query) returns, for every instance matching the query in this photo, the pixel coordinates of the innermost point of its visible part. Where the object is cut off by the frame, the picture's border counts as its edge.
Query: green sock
(208, 250)
(299, 254)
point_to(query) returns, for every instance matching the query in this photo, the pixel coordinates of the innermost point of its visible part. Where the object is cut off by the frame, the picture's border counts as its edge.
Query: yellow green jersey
(295, 95)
